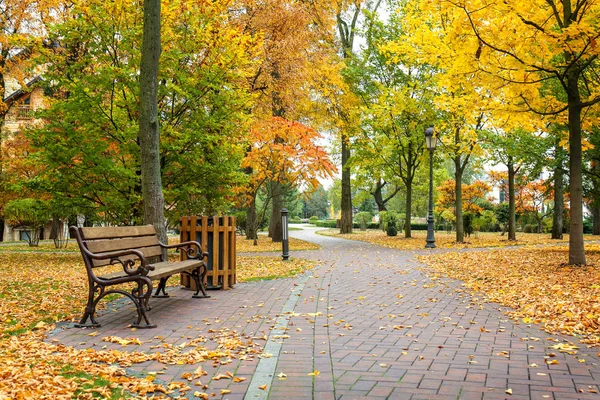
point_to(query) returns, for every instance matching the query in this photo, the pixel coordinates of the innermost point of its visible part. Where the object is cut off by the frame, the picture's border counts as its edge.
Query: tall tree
(88, 148)
(149, 136)
(292, 55)
(521, 152)
(397, 105)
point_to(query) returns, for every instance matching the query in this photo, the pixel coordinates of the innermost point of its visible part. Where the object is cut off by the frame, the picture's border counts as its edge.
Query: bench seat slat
(101, 246)
(115, 232)
(146, 251)
(162, 269)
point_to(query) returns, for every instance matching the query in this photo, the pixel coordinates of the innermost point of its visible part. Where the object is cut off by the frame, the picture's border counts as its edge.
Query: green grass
(69, 372)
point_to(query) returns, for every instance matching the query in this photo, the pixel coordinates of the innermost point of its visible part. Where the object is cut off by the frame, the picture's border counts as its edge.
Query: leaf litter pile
(38, 290)
(535, 283)
(445, 240)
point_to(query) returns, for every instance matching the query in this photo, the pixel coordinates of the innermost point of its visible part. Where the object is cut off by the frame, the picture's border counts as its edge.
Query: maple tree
(472, 195)
(285, 152)
(291, 57)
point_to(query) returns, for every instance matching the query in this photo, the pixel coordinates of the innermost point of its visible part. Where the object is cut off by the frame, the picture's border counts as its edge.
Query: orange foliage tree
(285, 152)
(292, 57)
(534, 198)
(472, 195)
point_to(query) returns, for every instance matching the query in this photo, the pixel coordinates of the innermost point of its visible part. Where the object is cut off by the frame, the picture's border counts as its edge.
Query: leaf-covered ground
(242, 245)
(265, 244)
(536, 284)
(37, 290)
(447, 240)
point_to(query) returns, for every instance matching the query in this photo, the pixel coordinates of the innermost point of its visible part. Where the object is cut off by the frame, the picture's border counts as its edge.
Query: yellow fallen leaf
(551, 362)
(238, 379)
(263, 387)
(225, 391)
(93, 334)
(508, 391)
(314, 373)
(201, 395)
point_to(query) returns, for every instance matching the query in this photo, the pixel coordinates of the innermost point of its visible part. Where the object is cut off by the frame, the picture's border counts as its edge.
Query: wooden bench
(130, 247)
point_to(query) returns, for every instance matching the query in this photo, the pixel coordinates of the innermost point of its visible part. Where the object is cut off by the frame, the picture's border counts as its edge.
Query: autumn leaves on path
(365, 322)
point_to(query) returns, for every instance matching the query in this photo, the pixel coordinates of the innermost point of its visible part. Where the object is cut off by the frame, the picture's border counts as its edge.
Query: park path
(365, 323)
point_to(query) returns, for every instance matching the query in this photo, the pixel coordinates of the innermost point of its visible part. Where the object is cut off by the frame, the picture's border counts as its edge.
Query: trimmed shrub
(313, 219)
(363, 219)
(327, 223)
(295, 220)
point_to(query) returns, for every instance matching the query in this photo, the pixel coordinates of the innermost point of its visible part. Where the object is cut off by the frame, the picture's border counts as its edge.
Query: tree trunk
(576, 245)
(407, 220)
(275, 232)
(149, 136)
(512, 219)
(596, 219)
(378, 195)
(346, 222)
(460, 230)
(557, 217)
(251, 227)
(595, 205)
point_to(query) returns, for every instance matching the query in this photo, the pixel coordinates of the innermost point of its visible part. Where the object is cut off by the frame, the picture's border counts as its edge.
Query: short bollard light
(285, 244)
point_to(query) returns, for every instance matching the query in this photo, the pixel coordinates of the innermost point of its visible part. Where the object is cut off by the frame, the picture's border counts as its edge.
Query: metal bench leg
(161, 288)
(142, 303)
(198, 278)
(90, 309)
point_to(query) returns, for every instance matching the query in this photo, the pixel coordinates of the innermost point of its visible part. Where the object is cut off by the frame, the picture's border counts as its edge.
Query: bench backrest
(115, 238)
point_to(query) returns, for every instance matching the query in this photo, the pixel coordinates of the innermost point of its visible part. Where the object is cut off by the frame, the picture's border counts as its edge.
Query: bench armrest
(191, 253)
(114, 257)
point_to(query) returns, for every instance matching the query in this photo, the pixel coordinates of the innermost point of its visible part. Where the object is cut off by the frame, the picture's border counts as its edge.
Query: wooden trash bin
(217, 237)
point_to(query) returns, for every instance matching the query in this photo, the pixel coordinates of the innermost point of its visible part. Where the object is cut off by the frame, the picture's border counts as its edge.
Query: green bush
(313, 219)
(295, 220)
(363, 219)
(468, 223)
(528, 228)
(391, 230)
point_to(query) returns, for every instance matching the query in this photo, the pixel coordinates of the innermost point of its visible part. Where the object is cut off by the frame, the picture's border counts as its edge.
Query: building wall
(18, 117)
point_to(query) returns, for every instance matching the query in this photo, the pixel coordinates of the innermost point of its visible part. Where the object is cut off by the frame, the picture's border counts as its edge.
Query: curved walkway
(365, 323)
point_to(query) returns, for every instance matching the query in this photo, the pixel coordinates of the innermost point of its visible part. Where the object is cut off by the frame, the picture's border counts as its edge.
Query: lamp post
(284, 235)
(431, 142)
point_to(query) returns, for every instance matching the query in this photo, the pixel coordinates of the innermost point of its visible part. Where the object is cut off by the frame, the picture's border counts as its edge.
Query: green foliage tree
(31, 214)
(89, 147)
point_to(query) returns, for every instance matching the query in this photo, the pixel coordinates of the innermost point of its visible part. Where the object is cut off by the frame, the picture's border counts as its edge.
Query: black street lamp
(431, 142)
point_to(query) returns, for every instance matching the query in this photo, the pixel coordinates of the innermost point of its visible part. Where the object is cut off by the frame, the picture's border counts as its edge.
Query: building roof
(19, 93)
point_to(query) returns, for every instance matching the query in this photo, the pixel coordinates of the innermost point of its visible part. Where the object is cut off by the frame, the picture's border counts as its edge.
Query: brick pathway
(367, 324)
